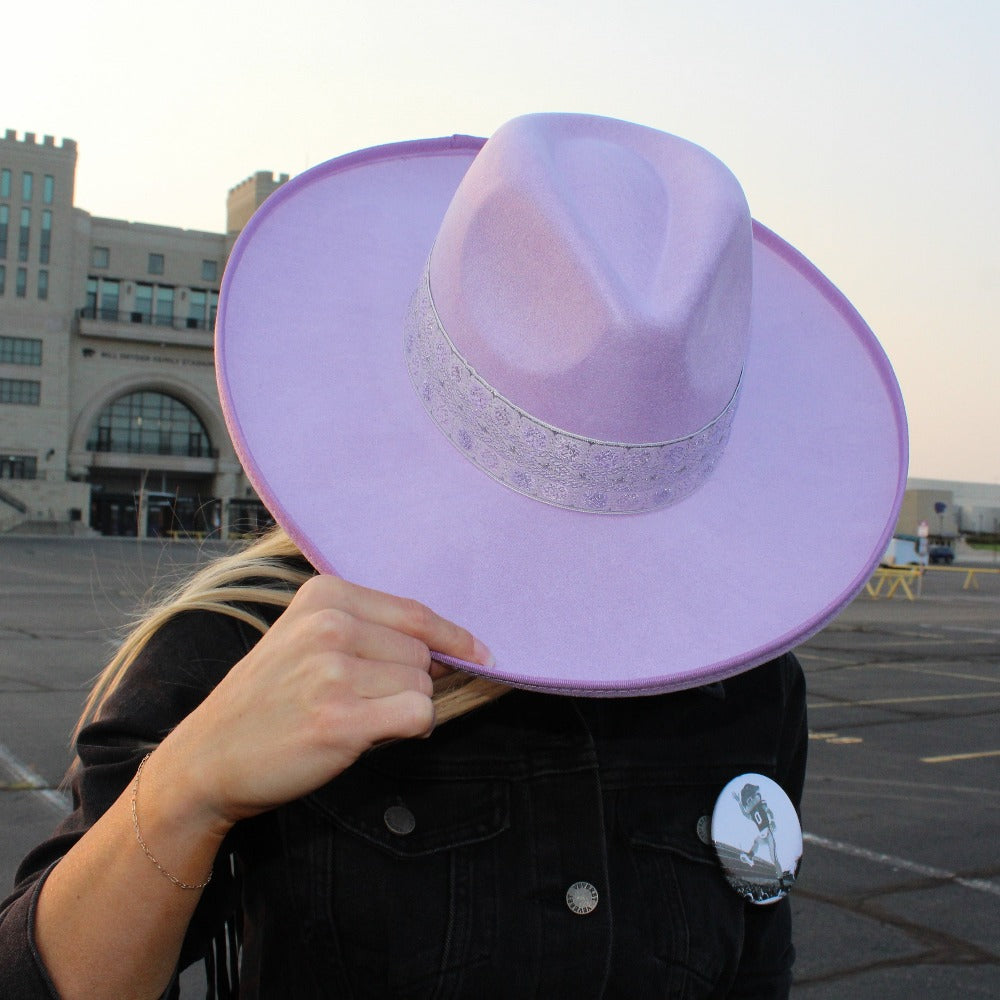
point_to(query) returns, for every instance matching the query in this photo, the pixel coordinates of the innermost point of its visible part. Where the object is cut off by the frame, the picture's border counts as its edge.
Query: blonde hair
(263, 573)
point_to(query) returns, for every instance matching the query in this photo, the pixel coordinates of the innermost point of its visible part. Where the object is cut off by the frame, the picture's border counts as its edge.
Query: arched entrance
(152, 466)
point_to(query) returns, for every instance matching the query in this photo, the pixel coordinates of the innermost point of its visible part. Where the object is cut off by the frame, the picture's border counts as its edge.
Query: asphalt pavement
(899, 892)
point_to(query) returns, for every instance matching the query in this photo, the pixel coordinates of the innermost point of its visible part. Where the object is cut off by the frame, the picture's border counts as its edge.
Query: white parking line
(964, 628)
(903, 701)
(908, 788)
(917, 668)
(907, 668)
(807, 654)
(28, 780)
(888, 860)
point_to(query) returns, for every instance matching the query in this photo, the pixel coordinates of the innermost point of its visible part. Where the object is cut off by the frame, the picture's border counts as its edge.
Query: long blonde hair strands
(263, 573)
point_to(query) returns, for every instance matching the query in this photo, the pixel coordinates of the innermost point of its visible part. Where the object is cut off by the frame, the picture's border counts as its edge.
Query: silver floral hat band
(539, 460)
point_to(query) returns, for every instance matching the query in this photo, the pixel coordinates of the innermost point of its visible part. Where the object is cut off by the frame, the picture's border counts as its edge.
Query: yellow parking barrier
(971, 572)
(890, 579)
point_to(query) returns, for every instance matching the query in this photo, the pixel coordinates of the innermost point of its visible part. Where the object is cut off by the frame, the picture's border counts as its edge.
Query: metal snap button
(581, 897)
(757, 837)
(399, 820)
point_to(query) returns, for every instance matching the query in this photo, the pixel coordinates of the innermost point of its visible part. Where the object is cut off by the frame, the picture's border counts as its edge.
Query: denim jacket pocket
(693, 919)
(411, 893)
(408, 817)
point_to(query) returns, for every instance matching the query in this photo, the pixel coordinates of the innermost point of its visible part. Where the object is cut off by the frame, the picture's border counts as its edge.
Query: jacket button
(581, 897)
(399, 820)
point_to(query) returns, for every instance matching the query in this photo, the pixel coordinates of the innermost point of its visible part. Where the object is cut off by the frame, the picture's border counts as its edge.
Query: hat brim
(339, 447)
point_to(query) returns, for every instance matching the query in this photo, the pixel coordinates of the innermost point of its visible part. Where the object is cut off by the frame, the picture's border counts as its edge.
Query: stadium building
(109, 417)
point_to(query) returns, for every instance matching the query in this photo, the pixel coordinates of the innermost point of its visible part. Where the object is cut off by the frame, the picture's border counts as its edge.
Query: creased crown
(597, 274)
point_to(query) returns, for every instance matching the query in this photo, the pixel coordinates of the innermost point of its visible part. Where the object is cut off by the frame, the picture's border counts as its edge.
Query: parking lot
(899, 894)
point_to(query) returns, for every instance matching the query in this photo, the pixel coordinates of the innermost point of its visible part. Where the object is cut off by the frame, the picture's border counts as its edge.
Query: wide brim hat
(402, 393)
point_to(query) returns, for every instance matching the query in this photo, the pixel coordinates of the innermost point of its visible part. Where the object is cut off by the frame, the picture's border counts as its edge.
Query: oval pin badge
(757, 837)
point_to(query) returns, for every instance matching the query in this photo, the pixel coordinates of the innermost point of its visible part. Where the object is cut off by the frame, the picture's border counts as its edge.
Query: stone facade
(109, 415)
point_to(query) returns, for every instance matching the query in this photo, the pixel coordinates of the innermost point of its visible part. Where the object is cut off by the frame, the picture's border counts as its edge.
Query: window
(27, 185)
(164, 305)
(90, 309)
(109, 300)
(209, 270)
(20, 351)
(197, 304)
(18, 467)
(143, 312)
(21, 289)
(4, 223)
(48, 189)
(4, 183)
(213, 307)
(149, 423)
(43, 284)
(100, 257)
(156, 263)
(23, 392)
(24, 237)
(3, 278)
(45, 239)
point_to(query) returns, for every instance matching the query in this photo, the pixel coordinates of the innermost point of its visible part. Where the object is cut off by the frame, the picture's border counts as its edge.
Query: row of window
(150, 303)
(21, 282)
(18, 467)
(20, 351)
(100, 258)
(149, 423)
(24, 234)
(28, 186)
(25, 392)
(140, 423)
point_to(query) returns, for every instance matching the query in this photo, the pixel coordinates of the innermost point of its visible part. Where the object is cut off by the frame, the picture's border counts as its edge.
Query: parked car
(943, 554)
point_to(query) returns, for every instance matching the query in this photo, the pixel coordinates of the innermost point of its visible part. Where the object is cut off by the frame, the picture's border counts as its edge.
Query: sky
(864, 132)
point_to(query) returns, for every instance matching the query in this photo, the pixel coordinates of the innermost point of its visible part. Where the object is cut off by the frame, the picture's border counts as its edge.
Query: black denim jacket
(440, 867)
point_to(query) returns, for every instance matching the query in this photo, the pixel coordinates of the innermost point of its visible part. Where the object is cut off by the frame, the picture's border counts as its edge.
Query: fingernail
(481, 654)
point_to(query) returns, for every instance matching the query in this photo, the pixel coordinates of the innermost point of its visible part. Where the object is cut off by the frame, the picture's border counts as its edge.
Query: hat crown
(597, 274)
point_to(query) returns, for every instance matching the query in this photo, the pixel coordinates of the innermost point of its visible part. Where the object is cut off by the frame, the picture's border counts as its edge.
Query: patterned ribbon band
(537, 459)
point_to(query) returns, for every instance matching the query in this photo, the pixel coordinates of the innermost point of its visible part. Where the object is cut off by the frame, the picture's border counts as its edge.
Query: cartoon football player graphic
(749, 839)
(753, 806)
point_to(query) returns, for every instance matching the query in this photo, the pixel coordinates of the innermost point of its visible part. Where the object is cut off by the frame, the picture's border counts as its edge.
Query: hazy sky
(865, 132)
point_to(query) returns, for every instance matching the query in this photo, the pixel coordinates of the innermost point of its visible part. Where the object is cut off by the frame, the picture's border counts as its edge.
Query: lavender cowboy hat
(559, 386)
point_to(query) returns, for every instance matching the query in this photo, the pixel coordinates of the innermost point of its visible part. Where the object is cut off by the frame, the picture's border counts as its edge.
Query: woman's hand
(342, 669)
